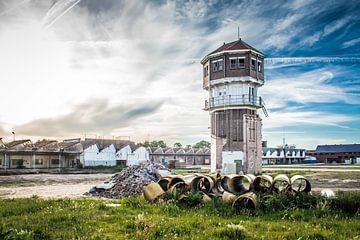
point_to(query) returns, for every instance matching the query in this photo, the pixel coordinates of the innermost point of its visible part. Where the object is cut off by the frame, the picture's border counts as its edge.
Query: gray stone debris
(130, 181)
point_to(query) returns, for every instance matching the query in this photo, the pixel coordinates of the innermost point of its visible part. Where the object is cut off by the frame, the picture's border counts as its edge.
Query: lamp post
(13, 133)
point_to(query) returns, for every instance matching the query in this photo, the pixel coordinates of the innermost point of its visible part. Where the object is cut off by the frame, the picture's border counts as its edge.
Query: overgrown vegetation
(296, 216)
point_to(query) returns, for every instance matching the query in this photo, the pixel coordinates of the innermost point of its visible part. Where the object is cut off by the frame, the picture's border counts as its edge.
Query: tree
(154, 143)
(177, 145)
(202, 144)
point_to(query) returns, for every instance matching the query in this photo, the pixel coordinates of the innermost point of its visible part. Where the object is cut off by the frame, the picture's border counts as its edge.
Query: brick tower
(232, 75)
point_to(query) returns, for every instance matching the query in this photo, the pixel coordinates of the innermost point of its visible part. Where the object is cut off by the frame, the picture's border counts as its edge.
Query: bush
(348, 202)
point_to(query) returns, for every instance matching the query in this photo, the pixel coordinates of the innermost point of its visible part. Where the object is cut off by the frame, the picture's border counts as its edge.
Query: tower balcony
(233, 101)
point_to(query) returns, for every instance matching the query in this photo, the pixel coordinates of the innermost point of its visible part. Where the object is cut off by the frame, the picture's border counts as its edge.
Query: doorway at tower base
(228, 162)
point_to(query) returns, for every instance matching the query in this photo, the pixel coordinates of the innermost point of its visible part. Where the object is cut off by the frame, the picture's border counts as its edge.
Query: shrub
(348, 202)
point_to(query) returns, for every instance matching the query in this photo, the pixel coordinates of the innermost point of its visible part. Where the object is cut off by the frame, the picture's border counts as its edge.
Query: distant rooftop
(338, 148)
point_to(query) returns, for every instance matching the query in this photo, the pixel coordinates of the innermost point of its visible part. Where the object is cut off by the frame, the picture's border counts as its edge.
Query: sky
(131, 68)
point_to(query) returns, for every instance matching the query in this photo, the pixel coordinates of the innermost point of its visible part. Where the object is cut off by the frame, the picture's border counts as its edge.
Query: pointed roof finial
(238, 33)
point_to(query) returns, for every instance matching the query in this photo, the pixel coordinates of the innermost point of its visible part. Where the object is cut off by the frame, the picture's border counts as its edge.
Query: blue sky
(131, 68)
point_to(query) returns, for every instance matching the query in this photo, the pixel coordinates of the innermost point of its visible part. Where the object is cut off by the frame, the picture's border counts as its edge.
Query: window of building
(253, 61)
(217, 65)
(55, 161)
(259, 66)
(233, 63)
(39, 162)
(17, 162)
(237, 62)
(241, 62)
(206, 71)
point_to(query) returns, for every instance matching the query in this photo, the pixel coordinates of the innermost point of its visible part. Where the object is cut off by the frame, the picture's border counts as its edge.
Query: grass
(276, 218)
(288, 173)
(184, 171)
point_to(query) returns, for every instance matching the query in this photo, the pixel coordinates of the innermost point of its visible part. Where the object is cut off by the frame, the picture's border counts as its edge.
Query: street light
(13, 135)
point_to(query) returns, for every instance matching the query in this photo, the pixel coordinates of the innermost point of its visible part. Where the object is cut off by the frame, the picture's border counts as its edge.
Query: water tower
(232, 75)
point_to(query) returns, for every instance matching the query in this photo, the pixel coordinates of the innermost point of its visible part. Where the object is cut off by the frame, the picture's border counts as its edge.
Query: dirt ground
(75, 185)
(49, 185)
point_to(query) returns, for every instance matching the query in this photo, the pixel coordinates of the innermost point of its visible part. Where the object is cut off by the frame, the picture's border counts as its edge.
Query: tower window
(238, 62)
(232, 63)
(217, 65)
(253, 61)
(259, 66)
(206, 71)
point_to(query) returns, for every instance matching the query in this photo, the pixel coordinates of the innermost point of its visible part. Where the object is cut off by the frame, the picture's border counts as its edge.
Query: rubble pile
(239, 191)
(130, 181)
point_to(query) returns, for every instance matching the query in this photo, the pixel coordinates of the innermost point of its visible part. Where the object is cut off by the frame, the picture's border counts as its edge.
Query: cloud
(2, 132)
(285, 118)
(94, 116)
(328, 29)
(309, 87)
(351, 43)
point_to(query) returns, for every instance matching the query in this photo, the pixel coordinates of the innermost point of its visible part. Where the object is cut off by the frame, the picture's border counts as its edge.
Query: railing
(234, 100)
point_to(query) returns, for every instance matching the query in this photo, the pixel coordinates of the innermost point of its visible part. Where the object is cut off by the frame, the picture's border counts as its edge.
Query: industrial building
(337, 153)
(77, 153)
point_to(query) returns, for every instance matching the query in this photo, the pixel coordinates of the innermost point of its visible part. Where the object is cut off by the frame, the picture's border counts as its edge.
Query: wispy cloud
(285, 118)
(304, 88)
(351, 43)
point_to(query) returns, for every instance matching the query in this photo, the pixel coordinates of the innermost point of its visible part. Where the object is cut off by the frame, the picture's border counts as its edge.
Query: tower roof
(233, 46)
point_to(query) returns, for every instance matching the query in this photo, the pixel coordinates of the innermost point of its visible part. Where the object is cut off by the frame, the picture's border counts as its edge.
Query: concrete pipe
(208, 184)
(178, 189)
(153, 192)
(236, 184)
(174, 180)
(164, 183)
(246, 201)
(300, 184)
(262, 183)
(281, 183)
(251, 176)
(194, 182)
(205, 198)
(218, 189)
(214, 175)
(228, 197)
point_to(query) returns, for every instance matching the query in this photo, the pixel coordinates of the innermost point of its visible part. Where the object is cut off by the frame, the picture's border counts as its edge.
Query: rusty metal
(281, 183)
(246, 201)
(262, 183)
(300, 184)
(153, 192)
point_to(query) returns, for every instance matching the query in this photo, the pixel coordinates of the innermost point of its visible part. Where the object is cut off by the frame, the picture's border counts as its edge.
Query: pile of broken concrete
(130, 181)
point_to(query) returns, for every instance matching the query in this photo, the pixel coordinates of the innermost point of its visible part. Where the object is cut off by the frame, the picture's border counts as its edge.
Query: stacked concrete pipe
(239, 191)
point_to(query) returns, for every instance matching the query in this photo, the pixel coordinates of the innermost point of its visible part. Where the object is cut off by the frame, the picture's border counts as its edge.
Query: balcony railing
(234, 100)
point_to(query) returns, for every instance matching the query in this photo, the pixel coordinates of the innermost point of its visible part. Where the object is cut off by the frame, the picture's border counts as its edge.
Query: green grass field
(279, 218)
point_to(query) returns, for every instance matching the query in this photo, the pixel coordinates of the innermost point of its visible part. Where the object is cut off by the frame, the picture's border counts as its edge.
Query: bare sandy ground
(49, 185)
